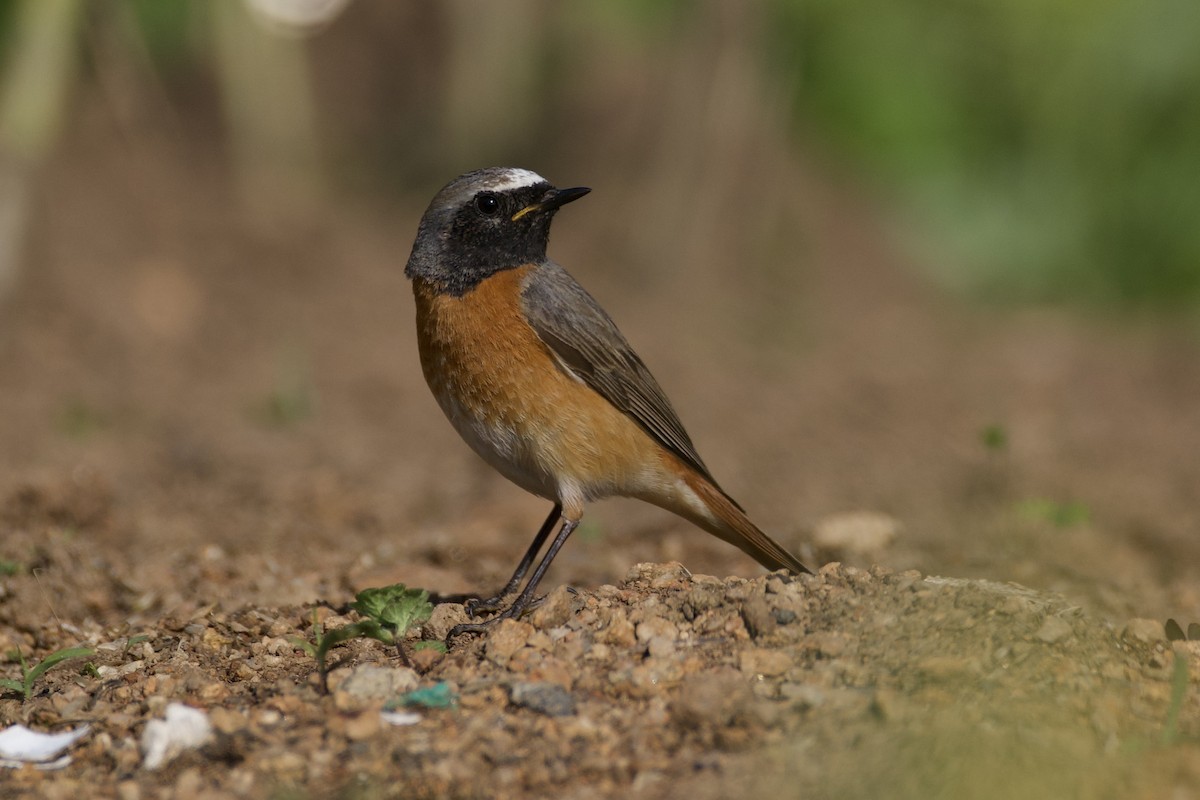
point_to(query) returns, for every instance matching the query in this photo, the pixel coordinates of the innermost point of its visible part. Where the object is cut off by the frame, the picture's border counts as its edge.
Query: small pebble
(656, 628)
(183, 728)
(555, 610)
(424, 659)
(657, 575)
(660, 647)
(363, 725)
(444, 617)
(856, 532)
(755, 661)
(400, 718)
(507, 638)
(1144, 631)
(784, 616)
(227, 720)
(756, 613)
(370, 682)
(1053, 629)
(711, 699)
(543, 697)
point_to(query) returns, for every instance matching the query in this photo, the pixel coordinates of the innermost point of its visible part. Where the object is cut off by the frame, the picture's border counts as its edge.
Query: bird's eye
(488, 204)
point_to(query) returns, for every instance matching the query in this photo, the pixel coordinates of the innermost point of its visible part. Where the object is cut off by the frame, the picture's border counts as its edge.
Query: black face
(484, 237)
(478, 226)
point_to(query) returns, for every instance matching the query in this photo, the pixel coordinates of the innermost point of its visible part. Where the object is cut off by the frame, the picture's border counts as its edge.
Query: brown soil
(206, 433)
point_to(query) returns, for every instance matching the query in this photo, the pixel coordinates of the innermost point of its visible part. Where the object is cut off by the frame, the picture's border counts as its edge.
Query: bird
(538, 380)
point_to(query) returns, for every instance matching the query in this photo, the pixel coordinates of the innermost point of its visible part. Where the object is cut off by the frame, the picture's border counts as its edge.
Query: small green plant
(288, 405)
(293, 398)
(388, 613)
(29, 675)
(994, 438)
(1179, 684)
(134, 641)
(9, 568)
(394, 608)
(78, 420)
(1061, 515)
(322, 642)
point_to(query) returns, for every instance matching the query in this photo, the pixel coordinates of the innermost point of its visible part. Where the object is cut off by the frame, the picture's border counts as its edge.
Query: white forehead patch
(516, 179)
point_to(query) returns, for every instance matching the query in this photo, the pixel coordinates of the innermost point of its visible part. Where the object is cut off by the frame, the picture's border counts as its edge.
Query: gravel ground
(849, 683)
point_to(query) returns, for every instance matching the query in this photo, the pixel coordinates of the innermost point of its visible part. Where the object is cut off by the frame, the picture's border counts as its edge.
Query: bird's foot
(479, 627)
(515, 611)
(470, 627)
(477, 605)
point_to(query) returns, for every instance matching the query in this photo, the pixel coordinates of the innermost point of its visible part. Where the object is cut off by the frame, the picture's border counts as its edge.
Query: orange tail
(735, 527)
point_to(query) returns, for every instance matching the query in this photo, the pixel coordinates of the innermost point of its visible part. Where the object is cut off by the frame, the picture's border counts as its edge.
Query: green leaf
(371, 629)
(432, 644)
(338, 635)
(303, 644)
(396, 607)
(133, 641)
(57, 657)
(29, 675)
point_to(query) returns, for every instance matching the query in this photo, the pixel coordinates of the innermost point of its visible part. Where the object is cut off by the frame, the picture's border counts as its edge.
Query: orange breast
(504, 392)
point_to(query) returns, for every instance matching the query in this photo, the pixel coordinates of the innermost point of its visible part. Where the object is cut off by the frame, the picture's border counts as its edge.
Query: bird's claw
(477, 605)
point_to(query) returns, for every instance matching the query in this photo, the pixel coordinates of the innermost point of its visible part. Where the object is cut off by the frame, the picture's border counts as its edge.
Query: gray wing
(589, 346)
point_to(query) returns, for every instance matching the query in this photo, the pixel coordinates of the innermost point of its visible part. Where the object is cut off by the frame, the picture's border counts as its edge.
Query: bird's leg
(523, 599)
(475, 605)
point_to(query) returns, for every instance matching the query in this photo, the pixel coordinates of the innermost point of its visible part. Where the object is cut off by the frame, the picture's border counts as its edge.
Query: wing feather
(589, 346)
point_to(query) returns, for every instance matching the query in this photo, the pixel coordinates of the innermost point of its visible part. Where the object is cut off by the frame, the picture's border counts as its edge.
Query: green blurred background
(1029, 151)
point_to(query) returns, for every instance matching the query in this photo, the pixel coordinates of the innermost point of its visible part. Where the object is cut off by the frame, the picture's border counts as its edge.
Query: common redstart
(537, 379)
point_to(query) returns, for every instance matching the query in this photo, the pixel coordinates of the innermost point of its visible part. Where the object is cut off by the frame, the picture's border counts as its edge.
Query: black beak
(560, 197)
(554, 198)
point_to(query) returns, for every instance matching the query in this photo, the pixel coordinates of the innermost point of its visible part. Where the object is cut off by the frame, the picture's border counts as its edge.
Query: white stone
(183, 728)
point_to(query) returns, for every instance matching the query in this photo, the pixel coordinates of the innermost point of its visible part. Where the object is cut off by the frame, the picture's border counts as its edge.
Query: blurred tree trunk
(267, 94)
(486, 112)
(721, 144)
(41, 67)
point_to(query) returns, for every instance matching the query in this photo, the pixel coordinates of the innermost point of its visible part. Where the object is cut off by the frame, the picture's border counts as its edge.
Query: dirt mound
(849, 683)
